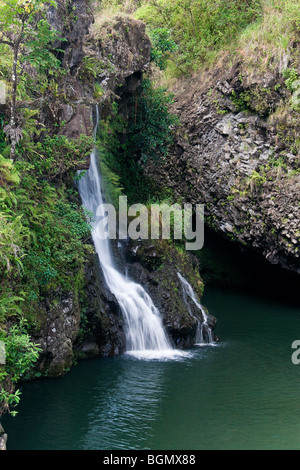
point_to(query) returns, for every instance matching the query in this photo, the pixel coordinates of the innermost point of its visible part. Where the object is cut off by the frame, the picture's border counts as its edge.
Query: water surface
(241, 394)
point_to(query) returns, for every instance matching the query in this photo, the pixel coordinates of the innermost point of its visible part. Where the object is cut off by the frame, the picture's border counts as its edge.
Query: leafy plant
(149, 130)
(55, 155)
(25, 31)
(20, 354)
(198, 27)
(291, 76)
(123, 145)
(162, 46)
(2, 134)
(256, 180)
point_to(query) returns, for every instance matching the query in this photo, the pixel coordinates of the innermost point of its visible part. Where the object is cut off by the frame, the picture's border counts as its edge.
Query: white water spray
(145, 335)
(202, 327)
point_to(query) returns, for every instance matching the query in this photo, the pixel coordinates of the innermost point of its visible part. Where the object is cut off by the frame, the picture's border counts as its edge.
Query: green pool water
(243, 393)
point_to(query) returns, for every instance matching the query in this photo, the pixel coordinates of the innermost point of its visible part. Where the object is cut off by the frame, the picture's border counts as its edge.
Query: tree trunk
(13, 116)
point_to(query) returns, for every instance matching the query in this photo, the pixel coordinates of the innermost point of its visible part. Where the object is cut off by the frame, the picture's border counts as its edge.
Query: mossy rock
(155, 264)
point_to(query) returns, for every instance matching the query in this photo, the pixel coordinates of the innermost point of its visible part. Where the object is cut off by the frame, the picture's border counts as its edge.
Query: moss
(171, 259)
(59, 369)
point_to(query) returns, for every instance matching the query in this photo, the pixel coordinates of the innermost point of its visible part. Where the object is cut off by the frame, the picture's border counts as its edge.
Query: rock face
(101, 317)
(234, 154)
(60, 317)
(121, 50)
(73, 21)
(105, 60)
(155, 265)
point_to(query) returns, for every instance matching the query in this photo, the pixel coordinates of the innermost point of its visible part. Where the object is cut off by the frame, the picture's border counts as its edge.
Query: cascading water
(203, 328)
(145, 335)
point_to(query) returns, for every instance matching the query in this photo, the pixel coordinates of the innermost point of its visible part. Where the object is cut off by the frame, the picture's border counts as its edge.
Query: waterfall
(145, 335)
(204, 334)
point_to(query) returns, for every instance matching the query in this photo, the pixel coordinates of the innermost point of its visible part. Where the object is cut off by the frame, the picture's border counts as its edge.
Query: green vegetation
(188, 34)
(192, 34)
(43, 229)
(27, 37)
(272, 36)
(291, 76)
(292, 81)
(125, 144)
(149, 125)
(21, 353)
(199, 28)
(162, 46)
(42, 235)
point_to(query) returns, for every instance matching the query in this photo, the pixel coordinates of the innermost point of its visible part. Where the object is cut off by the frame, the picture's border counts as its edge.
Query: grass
(267, 42)
(262, 45)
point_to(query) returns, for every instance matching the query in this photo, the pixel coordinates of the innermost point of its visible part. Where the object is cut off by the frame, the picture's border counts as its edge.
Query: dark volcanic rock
(231, 153)
(102, 60)
(79, 325)
(104, 331)
(155, 265)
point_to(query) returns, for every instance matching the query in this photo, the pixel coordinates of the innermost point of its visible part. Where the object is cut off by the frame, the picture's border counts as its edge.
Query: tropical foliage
(43, 228)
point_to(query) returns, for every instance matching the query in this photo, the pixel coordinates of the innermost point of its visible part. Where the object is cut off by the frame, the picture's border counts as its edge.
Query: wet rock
(90, 349)
(158, 275)
(104, 322)
(73, 327)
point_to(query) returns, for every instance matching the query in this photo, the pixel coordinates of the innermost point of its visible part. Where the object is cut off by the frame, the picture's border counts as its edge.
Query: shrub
(199, 28)
(20, 354)
(149, 131)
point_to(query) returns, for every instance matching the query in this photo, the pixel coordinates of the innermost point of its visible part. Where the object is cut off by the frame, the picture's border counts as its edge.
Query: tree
(25, 30)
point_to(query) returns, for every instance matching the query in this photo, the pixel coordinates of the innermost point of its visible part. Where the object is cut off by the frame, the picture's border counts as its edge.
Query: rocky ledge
(155, 264)
(235, 152)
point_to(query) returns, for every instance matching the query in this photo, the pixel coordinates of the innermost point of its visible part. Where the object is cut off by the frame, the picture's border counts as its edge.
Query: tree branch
(8, 43)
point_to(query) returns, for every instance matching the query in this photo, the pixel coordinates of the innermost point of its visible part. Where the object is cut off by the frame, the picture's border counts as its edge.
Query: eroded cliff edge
(236, 152)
